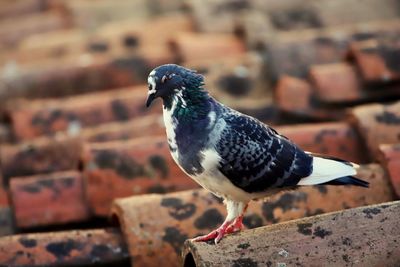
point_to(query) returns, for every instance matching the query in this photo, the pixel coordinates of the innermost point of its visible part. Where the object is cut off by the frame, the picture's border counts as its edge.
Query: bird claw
(218, 234)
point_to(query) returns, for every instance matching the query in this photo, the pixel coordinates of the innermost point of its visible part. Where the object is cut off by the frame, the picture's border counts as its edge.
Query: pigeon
(234, 156)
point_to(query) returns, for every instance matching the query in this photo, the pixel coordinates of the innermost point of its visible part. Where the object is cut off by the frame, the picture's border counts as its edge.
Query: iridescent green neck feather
(192, 101)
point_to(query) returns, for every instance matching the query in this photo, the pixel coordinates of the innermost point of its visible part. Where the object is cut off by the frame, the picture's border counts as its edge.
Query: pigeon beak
(150, 99)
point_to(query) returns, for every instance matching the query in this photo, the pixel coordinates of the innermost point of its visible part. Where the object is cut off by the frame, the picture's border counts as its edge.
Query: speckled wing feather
(255, 158)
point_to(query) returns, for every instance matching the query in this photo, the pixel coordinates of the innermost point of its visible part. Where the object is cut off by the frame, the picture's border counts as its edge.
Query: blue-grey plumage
(234, 156)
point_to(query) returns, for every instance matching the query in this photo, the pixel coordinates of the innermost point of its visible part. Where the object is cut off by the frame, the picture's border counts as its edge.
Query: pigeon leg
(232, 223)
(237, 224)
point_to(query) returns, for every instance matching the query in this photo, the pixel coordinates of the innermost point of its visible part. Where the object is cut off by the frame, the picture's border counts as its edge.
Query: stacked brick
(77, 144)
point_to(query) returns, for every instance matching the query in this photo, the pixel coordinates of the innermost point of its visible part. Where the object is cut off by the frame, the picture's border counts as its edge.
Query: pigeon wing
(255, 158)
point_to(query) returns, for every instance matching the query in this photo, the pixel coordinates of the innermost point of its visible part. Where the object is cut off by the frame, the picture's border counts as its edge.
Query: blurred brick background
(75, 135)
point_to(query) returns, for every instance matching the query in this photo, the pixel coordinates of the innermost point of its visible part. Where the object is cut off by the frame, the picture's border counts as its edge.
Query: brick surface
(378, 124)
(76, 75)
(156, 226)
(12, 31)
(89, 14)
(233, 78)
(150, 125)
(5, 133)
(196, 46)
(377, 59)
(336, 83)
(41, 156)
(47, 117)
(336, 139)
(293, 54)
(6, 221)
(121, 169)
(364, 236)
(390, 158)
(146, 35)
(65, 248)
(50, 199)
(296, 96)
(17, 8)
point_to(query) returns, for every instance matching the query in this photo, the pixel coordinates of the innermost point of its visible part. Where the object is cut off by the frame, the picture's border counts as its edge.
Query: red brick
(55, 198)
(370, 235)
(5, 133)
(343, 12)
(89, 14)
(6, 221)
(13, 30)
(155, 226)
(377, 124)
(234, 78)
(105, 247)
(295, 96)
(59, 44)
(212, 16)
(114, 39)
(151, 125)
(294, 54)
(139, 166)
(146, 35)
(336, 83)
(75, 75)
(377, 59)
(196, 46)
(17, 8)
(390, 157)
(3, 193)
(336, 139)
(47, 117)
(43, 155)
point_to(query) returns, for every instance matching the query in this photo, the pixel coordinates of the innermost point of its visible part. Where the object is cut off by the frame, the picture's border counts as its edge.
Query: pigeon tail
(332, 171)
(348, 180)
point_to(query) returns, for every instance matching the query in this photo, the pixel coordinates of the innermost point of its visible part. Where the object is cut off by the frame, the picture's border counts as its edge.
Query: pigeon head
(169, 80)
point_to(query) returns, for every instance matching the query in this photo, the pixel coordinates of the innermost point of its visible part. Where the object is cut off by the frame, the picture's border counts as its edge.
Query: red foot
(237, 225)
(226, 228)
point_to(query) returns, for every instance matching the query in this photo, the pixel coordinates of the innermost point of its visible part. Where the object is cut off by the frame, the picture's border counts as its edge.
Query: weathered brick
(296, 97)
(150, 125)
(378, 59)
(76, 75)
(390, 157)
(17, 8)
(155, 226)
(43, 155)
(49, 199)
(377, 124)
(3, 193)
(13, 30)
(336, 83)
(364, 236)
(121, 169)
(294, 54)
(6, 221)
(65, 248)
(5, 133)
(146, 35)
(336, 139)
(200, 46)
(47, 117)
(345, 12)
(234, 78)
(89, 14)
